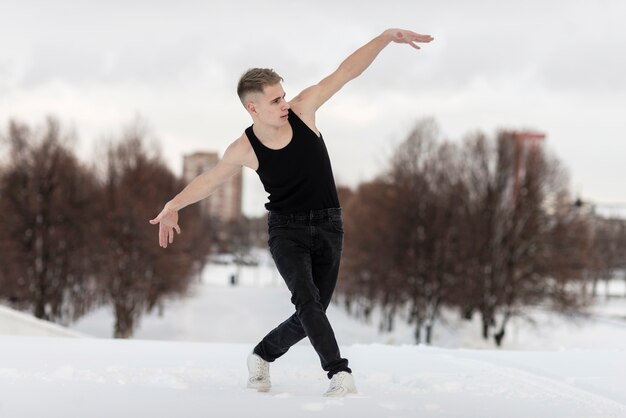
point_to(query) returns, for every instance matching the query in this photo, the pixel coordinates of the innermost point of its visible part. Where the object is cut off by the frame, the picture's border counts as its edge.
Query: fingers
(167, 226)
(411, 38)
(162, 236)
(171, 233)
(422, 38)
(156, 220)
(418, 37)
(166, 234)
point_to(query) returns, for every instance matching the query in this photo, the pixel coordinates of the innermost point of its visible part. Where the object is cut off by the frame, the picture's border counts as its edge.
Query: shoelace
(261, 369)
(335, 382)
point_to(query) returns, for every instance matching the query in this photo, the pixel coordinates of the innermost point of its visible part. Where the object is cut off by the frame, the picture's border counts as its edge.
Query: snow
(57, 377)
(560, 368)
(13, 322)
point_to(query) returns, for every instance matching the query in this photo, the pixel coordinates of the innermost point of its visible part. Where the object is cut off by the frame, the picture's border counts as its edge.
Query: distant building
(225, 203)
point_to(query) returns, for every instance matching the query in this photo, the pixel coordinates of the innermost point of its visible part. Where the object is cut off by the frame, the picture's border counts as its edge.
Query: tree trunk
(124, 321)
(485, 327)
(467, 312)
(40, 308)
(499, 336)
(418, 332)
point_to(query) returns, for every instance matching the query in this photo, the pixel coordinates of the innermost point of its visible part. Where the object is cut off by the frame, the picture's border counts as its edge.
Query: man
(286, 149)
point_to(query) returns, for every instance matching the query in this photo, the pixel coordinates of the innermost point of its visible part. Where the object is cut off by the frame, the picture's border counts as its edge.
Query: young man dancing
(286, 149)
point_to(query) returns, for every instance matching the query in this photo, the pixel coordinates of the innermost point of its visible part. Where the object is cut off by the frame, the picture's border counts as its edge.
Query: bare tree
(430, 189)
(136, 274)
(483, 228)
(478, 213)
(402, 235)
(609, 248)
(47, 201)
(519, 262)
(368, 273)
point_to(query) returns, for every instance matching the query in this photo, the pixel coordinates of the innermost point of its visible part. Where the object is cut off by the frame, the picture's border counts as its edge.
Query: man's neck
(269, 134)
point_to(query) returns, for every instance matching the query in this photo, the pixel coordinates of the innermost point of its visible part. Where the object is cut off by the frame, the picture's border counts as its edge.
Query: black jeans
(306, 248)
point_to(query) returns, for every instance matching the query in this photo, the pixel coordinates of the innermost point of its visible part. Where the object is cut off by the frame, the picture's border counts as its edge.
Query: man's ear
(250, 107)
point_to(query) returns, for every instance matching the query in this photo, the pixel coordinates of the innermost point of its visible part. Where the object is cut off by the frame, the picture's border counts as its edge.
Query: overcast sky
(554, 66)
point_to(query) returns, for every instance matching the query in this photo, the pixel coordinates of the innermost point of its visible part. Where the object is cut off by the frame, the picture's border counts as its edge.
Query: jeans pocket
(337, 222)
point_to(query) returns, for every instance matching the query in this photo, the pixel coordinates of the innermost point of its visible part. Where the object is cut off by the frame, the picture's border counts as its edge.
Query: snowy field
(559, 367)
(47, 377)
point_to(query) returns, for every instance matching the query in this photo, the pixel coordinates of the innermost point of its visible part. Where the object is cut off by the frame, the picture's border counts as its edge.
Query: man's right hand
(402, 36)
(168, 222)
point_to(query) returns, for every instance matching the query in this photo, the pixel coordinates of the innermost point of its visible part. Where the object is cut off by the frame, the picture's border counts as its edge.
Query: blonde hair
(255, 80)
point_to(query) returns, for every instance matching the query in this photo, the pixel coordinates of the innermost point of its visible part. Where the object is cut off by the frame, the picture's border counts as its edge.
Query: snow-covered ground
(559, 367)
(48, 377)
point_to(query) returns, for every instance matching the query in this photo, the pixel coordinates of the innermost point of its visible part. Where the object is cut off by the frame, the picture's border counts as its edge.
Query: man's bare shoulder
(240, 152)
(304, 102)
(305, 111)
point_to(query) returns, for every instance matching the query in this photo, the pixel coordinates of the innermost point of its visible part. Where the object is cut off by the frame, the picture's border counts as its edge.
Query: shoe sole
(260, 388)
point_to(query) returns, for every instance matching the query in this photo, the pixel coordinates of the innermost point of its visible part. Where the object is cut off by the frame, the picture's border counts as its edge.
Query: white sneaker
(259, 373)
(341, 384)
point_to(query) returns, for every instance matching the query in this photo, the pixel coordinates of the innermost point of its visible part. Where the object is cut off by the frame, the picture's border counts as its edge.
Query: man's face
(270, 106)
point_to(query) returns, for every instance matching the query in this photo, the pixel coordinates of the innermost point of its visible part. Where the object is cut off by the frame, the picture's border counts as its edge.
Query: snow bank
(13, 322)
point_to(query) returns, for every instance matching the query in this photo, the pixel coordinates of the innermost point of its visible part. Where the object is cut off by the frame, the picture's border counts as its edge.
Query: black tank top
(298, 177)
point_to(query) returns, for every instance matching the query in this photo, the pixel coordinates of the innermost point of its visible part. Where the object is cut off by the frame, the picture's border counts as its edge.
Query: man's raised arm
(313, 97)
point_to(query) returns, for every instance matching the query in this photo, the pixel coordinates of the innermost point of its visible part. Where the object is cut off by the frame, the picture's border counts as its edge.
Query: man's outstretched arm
(199, 188)
(315, 96)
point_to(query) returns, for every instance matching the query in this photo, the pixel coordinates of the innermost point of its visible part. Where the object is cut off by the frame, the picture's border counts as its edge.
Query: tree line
(485, 227)
(76, 236)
